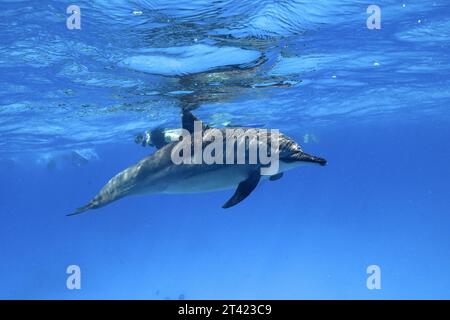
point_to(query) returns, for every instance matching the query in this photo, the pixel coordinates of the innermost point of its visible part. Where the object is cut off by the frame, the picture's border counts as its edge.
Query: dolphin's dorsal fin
(244, 189)
(188, 120)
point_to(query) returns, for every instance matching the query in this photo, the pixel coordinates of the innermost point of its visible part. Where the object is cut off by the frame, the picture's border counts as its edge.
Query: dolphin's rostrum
(159, 174)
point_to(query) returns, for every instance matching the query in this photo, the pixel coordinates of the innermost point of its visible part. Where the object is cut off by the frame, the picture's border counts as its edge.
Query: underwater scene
(97, 98)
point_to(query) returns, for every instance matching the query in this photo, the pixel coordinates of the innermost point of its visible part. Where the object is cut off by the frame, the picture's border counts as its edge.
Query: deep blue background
(382, 200)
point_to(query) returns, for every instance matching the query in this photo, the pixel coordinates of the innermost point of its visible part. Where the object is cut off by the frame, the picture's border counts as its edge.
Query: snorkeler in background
(158, 137)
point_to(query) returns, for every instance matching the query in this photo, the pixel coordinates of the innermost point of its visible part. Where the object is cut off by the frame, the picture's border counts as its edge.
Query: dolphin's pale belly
(226, 177)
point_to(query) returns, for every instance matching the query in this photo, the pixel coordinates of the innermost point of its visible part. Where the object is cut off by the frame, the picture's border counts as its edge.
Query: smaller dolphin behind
(159, 174)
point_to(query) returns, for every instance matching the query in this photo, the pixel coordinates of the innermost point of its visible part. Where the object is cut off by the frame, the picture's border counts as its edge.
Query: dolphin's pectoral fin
(244, 189)
(188, 120)
(276, 177)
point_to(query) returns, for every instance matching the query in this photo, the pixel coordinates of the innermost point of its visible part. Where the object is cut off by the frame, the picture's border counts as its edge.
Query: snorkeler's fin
(244, 189)
(155, 138)
(158, 138)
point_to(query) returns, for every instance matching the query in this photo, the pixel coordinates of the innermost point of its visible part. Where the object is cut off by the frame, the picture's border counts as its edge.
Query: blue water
(374, 103)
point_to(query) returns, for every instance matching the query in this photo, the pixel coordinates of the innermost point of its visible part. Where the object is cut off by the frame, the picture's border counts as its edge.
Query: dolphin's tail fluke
(89, 206)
